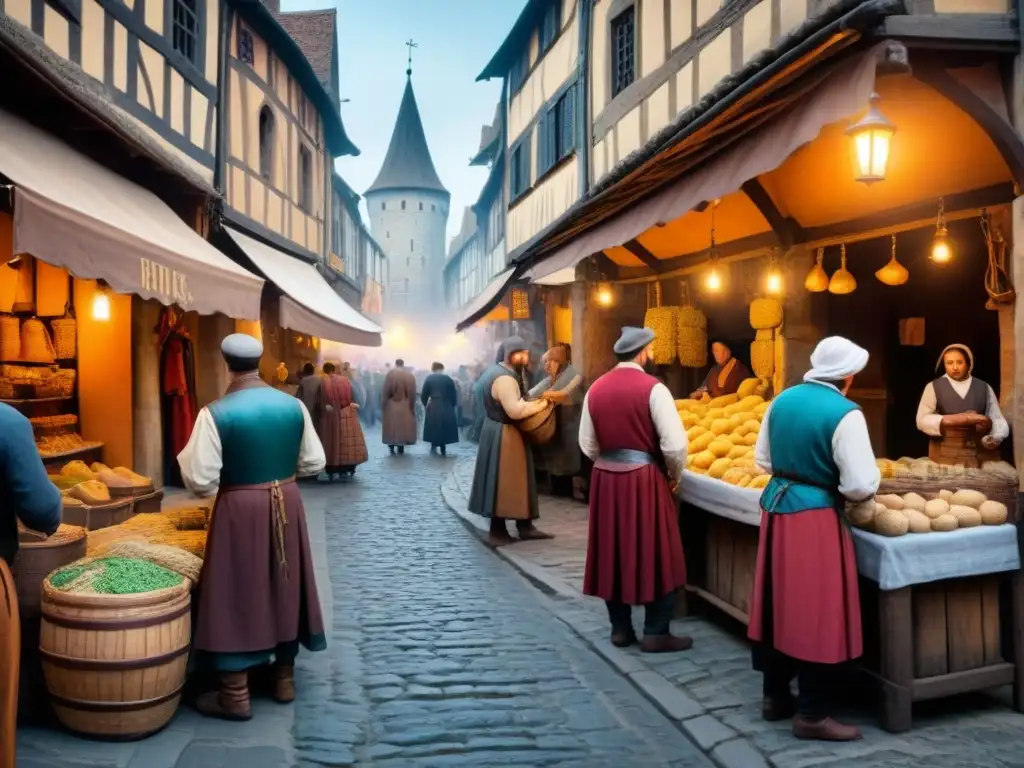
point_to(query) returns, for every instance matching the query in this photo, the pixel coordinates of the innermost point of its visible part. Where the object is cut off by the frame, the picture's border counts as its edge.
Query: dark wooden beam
(1009, 143)
(986, 197)
(742, 245)
(637, 248)
(787, 230)
(979, 31)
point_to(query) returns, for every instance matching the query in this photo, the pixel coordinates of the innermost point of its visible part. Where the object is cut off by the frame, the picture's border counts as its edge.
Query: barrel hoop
(110, 665)
(115, 706)
(118, 624)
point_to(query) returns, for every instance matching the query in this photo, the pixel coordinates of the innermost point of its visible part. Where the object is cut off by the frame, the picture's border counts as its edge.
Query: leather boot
(284, 683)
(623, 638)
(530, 532)
(824, 729)
(230, 701)
(774, 709)
(665, 644)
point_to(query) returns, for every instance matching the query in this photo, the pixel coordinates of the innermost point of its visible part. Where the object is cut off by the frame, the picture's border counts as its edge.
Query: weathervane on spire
(410, 43)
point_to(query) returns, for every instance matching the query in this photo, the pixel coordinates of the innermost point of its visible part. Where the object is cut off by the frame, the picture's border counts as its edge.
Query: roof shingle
(314, 31)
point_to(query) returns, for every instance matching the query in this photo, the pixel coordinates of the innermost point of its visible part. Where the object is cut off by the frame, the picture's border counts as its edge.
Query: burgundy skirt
(634, 551)
(247, 601)
(805, 584)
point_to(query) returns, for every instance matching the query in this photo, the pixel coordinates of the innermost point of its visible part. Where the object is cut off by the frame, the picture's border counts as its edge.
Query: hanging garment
(177, 389)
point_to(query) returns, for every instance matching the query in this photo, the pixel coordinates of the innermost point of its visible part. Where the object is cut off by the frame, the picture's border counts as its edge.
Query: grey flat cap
(241, 346)
(633, 340)
(514, 344)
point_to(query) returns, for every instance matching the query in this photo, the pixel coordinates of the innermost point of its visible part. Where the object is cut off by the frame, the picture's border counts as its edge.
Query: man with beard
(630, 429)
(257, 593)
(958, 402)
(504, 487)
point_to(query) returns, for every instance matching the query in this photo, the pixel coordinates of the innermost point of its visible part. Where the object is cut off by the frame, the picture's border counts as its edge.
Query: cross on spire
(410, 44)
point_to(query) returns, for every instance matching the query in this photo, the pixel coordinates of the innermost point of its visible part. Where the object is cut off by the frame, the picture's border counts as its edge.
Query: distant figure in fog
(309, 392)
(340, 432)
(440, 397)
(398, 404)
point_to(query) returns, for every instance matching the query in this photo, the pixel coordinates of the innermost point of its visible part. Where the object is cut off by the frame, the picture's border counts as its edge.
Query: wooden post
(800, 331)
(147, 423)
(1015, 409)
(211, 373)
(895, 622)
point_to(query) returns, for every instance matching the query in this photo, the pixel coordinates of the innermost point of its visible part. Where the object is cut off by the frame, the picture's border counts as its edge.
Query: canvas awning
(487, 299)
(308, 304)
(843, 94)
(74, 213)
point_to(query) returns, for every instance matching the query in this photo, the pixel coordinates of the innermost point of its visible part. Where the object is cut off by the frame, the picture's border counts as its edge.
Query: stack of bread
(722, 434)
(892, 515)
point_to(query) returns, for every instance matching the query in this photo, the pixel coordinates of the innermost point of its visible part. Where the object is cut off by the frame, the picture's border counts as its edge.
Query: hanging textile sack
(10, 338)
(36, 346)
(65, 336)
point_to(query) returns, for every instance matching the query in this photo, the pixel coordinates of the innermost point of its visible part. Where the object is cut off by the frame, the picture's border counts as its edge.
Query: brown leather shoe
(230, 701)
(531, 533)
(824, 729)
(623, 638)
(775, 709)
(284, 683)
(495, 540)
(665, 644)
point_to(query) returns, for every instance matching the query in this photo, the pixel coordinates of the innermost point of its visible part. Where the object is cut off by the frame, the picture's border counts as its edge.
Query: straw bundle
(190, 541)
(189, 518)
(172, 558)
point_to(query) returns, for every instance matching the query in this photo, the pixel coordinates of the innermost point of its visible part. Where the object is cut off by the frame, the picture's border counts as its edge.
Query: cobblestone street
(439, 654)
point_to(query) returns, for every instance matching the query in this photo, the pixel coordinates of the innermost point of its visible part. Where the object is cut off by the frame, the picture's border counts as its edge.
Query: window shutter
(569, 124)
(552, 136)
(542, 144)
(524, 168)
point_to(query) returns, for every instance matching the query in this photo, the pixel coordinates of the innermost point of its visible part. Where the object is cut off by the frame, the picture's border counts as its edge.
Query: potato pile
(722, 434)
(892, 515)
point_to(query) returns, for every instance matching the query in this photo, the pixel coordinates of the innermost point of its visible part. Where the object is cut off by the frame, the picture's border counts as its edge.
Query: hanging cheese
(52, 290)
(762, 355)
(664, 322)
(692, 337)
(765, 314)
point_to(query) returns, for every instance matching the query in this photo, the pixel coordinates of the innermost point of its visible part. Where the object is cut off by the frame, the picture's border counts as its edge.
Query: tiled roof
(314, 31)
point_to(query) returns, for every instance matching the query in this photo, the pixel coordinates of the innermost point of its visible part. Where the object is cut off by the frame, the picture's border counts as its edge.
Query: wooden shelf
(34, 400)
(67, 455)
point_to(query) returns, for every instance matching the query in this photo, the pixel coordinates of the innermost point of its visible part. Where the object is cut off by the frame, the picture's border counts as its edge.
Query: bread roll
(993, 513)
(913, 501)
(968, 498)
(919, 521)
(966, 517)
(936, 507)
(891, 501)
(944, 523)
(891, 522)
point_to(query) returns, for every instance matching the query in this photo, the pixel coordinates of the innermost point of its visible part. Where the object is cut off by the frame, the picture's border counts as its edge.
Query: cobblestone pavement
(715, 695)
(439, 654)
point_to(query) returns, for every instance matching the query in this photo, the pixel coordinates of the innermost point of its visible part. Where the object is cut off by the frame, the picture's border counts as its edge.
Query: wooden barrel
(36, 559)
(115, 664)
(960, 445)
(539, 428)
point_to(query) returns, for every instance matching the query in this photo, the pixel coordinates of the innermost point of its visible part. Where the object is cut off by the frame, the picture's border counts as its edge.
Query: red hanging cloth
(175, 382)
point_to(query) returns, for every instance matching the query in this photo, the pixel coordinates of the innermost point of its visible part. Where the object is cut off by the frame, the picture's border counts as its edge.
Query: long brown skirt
(10, 652)
(248, 602)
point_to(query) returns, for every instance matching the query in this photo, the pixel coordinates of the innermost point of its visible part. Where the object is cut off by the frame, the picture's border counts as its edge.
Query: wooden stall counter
(942, 613)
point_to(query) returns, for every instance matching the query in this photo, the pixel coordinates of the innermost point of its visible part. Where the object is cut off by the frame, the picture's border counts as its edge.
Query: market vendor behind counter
(960, 414)
(725, 375)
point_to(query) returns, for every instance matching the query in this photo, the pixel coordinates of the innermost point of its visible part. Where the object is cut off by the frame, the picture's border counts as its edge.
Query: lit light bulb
(774, 283)
(713, 281)
(942, 253)
(604, 297)
(101, 306)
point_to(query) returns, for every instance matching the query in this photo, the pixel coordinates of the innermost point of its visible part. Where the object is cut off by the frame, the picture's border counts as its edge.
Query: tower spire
(410, 44)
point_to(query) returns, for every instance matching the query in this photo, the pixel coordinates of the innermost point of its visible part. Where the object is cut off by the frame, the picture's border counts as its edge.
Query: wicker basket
(36, 346)
(62, 383)
(65, 336)
(10, 338)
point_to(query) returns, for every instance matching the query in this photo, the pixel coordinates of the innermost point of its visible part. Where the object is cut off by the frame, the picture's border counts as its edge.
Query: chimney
(273, 5)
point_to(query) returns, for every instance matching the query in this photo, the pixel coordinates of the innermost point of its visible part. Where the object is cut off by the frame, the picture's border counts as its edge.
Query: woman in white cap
(805, 613)
(957, 399)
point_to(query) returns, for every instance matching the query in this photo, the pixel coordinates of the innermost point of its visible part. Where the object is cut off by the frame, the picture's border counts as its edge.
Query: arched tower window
(267, 143)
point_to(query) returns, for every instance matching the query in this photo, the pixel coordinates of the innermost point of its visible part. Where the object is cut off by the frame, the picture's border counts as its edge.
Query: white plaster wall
(422, 264)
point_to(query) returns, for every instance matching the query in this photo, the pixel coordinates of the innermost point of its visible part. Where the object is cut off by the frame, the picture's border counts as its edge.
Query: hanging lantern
(713, 278)
(519, 301)
(842, 281)
(816, 280)
(893, 273)
(942, 245)
(101, 304)
(604, 295)
(773, 277)
(872, 137)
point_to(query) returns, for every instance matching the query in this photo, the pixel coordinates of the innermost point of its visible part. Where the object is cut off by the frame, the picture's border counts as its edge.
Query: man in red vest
(630, 429)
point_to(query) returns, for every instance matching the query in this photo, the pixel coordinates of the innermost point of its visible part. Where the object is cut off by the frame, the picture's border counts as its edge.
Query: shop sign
(336, 263)
(169, 284)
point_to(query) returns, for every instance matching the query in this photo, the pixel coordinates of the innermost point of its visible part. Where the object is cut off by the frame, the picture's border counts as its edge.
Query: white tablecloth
(892, 562)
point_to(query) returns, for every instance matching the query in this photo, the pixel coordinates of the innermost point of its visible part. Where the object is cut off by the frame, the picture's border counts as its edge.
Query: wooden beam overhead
(978, 31)
(637, 248)
(787, 230)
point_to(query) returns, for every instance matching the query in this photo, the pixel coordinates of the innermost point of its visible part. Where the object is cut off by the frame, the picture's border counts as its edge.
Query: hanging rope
(998, 284)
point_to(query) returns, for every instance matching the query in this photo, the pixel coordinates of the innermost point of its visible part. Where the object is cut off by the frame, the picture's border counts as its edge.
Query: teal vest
(801, 423)
(260, 434)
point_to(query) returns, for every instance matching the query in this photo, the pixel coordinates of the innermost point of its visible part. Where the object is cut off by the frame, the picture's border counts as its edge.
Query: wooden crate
(930, 641)
(727, 577)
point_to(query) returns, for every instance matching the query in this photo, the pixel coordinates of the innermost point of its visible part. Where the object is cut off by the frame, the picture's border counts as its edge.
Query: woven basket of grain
(65, 335)
(10, 338)
(190, 541)
(539, 428)
(36, 345)
(172, 558)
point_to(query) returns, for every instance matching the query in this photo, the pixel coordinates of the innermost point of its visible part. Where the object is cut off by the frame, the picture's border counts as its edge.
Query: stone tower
(408, 207)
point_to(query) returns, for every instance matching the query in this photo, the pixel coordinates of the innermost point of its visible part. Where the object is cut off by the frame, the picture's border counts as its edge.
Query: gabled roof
(490, 137)
(316, 34)
(265, 22)
(407, 164)
(516, 41)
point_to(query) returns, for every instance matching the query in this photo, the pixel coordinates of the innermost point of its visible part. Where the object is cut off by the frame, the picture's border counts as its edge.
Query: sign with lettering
(168, 284)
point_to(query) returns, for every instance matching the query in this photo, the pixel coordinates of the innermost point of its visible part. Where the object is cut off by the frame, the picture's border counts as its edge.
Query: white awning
(486, 300)
(842, 95)
(559, 277)
(74, 213)
(309, 304)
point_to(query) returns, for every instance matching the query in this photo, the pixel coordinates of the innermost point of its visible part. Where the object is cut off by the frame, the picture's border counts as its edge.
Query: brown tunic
(726, 380)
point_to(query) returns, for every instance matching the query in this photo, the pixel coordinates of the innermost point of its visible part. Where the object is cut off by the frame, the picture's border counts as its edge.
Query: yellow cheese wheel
(750, 438)
(760, 481)
(720, 448)
(966, 517)
(944, 523)
(968, 498)
(936, 508)
(891, 522)
(686, 404)
(890, 501)
(706, 422)
(689, 420)
(753, 425)
(695, 431)
(919, 521)
(734, 475)
(913, 501)
(736, 420)
(745, 482)
(704, 460)
(719, 468)
(993, 513)
(741, 430)
(721, 426)
(700, 443)
(724, 400)
(715, 413)
(737, 452)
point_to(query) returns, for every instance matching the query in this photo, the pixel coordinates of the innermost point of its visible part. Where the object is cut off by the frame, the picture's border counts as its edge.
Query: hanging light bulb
(871, 135)
(816, 280)
(942, 245)
(101, 304)
(604, 295)
(713, 280)
(773, 278)
(842, 281)
(893, 273)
